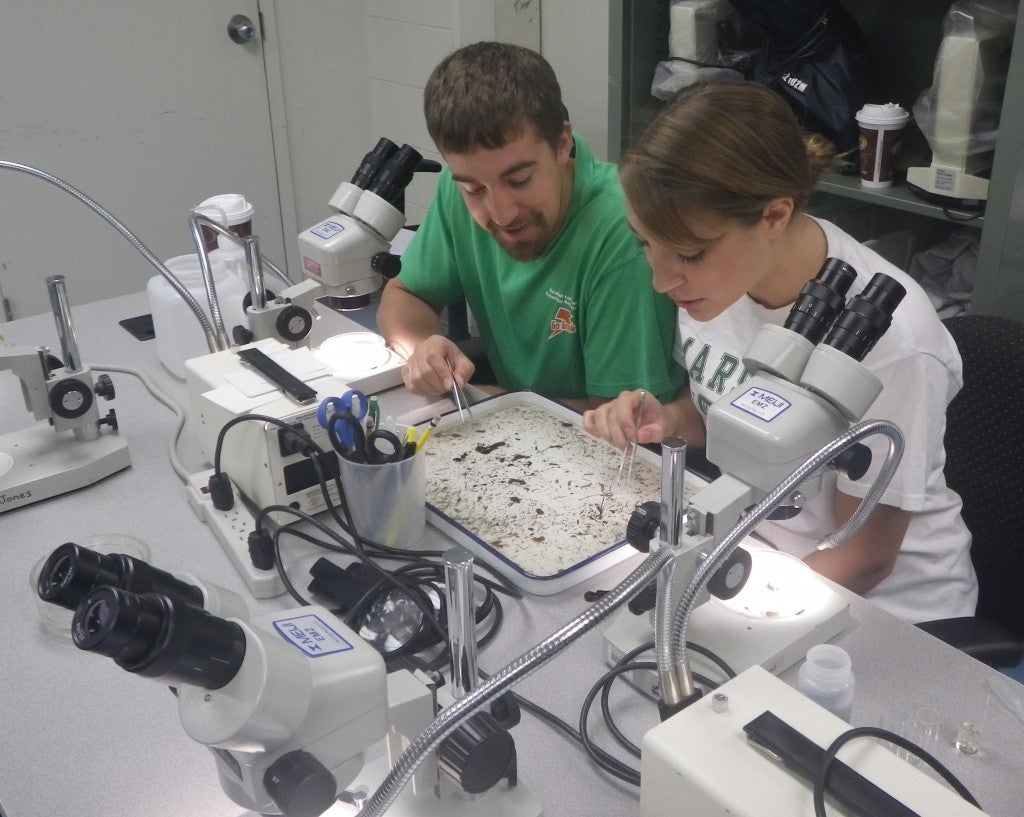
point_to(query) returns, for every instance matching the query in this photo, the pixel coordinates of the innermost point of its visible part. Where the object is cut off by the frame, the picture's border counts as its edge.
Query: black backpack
(816, 57)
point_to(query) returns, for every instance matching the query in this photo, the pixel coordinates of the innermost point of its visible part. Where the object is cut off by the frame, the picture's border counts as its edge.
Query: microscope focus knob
(300, 785)
(294, 323)
(478, 754)
(854, 461)
(104, 387)
(70, 398)
(643, 525)
(730, 578)
(387, 264)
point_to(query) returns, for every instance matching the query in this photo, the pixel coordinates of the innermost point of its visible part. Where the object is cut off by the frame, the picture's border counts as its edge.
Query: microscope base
(41, 463)
(703, 758)
(501, 801)
(741, 641)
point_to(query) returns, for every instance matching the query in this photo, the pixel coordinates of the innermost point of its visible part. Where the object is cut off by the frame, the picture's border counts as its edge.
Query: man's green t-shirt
(580, 320)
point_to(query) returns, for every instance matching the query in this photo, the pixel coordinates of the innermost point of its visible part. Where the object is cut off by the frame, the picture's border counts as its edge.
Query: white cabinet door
(146, 107)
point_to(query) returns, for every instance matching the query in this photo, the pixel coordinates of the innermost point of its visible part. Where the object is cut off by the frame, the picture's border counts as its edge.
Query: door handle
(241, 29)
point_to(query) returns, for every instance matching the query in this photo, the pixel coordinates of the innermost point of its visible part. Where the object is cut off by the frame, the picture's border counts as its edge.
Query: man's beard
(528, 249)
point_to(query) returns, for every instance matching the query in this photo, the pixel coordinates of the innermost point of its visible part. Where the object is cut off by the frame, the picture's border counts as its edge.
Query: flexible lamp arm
(512, 673)
(128, 235)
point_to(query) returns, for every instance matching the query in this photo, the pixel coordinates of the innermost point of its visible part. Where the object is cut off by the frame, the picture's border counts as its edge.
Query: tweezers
(629, 451)
(458, 395)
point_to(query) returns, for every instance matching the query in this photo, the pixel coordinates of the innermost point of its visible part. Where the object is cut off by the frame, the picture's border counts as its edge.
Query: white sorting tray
(510, 484)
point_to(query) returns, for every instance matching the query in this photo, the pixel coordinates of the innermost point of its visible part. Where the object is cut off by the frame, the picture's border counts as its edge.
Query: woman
(716, 189)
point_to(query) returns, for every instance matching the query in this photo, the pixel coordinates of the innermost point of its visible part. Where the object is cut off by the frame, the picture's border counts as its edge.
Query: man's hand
(426, 372)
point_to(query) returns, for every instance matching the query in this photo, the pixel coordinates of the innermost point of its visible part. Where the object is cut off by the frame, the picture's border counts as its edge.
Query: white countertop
(80, 736)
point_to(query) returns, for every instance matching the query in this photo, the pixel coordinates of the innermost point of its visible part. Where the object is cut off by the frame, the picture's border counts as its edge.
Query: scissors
(349, 438)
(352, 402)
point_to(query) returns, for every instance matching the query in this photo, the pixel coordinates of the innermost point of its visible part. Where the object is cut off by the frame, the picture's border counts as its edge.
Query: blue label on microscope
(328, 229)
(761, 403)
(312, 635)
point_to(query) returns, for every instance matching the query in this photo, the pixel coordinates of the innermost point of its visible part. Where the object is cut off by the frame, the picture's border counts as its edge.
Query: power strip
(232, 529)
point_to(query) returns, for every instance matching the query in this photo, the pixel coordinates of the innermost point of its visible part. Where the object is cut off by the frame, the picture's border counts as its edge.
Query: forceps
(629, 451)
(458, 395)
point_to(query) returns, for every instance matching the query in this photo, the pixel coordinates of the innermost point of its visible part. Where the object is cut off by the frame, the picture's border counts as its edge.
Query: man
(529, 229)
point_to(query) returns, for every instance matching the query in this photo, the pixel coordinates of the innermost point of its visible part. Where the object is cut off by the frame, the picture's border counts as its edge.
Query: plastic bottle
(826, 677)
(178, 333)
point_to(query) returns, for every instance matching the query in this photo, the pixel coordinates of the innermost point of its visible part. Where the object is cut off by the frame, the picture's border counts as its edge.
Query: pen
(372, 415)
(427, 432)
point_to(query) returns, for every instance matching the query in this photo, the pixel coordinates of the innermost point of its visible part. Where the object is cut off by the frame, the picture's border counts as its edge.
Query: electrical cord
(342, 547)
(603, 760)
(604, 682)
(359, 546)
(409, 579)
(884, 734)
(606, 712)
(162, 397)
(368, 546)
(309, 447)
(554, 721)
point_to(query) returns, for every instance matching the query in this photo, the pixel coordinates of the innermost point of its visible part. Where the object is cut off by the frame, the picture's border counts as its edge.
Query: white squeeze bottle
(827, 678)
(179, 335)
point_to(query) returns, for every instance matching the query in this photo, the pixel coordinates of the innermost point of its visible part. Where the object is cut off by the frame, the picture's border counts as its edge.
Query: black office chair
(984, 448)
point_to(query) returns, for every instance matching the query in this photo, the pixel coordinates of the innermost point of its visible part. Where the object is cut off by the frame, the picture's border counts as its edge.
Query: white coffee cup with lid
(881, 137)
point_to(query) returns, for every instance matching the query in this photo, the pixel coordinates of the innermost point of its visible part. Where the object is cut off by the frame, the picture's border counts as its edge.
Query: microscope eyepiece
(158, 637)
(396, 173)
(821, 300)
(867, 317)
(72, 571)
(373, 161)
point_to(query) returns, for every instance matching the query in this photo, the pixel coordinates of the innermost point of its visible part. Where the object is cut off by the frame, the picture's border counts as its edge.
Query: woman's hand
(616, 421)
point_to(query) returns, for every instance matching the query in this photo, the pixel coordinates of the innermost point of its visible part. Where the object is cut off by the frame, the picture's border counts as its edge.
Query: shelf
(897, 197)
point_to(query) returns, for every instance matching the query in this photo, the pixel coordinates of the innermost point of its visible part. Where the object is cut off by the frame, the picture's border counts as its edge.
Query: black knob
(110, 420)
(478, 754)
(70, 398)
(643, 525)
(387, 264)
(293, 323)
(506, 711)
(242, 335)
(729, 579)
(104, 387)
(644, 601)
(854, 461)
(300, 785)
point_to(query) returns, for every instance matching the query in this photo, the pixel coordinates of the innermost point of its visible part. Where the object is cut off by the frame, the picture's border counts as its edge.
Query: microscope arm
(60, 393)
(29, 364)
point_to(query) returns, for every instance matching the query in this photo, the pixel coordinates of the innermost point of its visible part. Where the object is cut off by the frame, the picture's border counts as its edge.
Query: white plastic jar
(827, 678)
(179, 335)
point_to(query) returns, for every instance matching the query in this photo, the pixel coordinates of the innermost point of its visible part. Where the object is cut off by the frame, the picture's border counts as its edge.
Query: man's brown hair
(486, 94)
